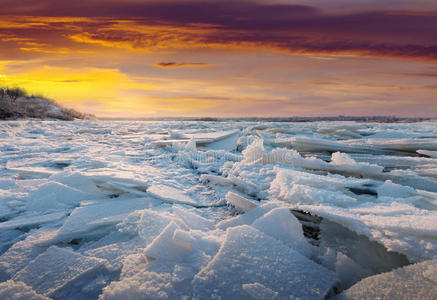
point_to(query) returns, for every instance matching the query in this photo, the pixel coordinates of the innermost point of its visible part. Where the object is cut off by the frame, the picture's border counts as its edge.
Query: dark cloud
(432, 75)
(293, 28)
(173, 64)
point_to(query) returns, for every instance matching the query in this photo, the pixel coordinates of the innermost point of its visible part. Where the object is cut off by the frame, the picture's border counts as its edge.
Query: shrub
(16, 104)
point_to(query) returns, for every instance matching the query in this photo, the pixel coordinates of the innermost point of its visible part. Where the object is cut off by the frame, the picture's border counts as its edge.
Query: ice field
(218, 210)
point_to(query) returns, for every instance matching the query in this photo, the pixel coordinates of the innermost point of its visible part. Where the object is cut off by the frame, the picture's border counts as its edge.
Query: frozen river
(217, 210)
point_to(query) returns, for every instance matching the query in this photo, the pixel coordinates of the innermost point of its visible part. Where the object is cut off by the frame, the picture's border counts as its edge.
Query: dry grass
(16, 104)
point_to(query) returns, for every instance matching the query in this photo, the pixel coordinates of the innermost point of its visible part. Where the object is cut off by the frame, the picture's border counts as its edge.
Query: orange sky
(224, 59)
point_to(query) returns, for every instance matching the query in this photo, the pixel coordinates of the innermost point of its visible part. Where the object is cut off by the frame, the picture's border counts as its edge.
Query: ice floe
(225, 209)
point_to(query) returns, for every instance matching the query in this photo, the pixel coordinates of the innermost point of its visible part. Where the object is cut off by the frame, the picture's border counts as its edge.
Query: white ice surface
(249, 256)
(432, 154)
(26, 220)
(137, 209)
(282, 225)
(418, 281)
(17, 290)
(169, 194)
(91, 220)
(54, 196)
(55, 268)
(258, 291)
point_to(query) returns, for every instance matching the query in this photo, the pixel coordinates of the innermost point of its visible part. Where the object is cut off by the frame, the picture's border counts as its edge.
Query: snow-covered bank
(231, 210)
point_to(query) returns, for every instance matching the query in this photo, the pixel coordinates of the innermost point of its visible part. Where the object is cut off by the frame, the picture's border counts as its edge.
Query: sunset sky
(265, 58)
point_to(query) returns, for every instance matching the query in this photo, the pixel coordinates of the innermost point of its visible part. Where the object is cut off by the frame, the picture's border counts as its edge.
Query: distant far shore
(377, 119)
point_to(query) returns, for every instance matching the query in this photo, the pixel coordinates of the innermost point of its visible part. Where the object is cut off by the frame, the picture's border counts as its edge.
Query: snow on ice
(217, 210)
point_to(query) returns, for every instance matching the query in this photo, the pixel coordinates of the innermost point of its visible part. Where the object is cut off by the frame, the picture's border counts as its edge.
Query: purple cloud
(173, 64)
(293, 28)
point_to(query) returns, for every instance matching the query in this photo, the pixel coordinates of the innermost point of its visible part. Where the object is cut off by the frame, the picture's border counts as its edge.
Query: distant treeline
(15, 103)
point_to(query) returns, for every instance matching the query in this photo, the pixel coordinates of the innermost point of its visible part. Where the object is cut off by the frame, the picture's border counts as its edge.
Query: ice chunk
(191, 145)
(310, 144)
(248, 256)
(169, 274)
(306, 188)
(349, 271)
(418, 281)
(10, 203)
(115, 253)
(249, 217)
(259, 292)
(227, 143)
(22, 252)
(218, 180)
(302, 194)
(211, 137)
(406, 145)
(9, 238)
(341, 131)
(244, 185)
(316, 180)
(429, 197)
(166, 247)
(199, 139)
(57, 268)
(176, 143)
(76, 180)
(132, 187)
(432, 154)
(204, 245)
(31, 220)
(30, 172)
(406, 230)
(169, 194)
(53, 196)
(176, 134)
(341, 162)
(7, 183)
(239, 202)
(179, 254)
(255, 153)
(390, 189)
(411, 178)
(170, 282)
(17, 290)
(412, 235)
(134, 232)
(93, 220)
(193, 220)
(282, 225)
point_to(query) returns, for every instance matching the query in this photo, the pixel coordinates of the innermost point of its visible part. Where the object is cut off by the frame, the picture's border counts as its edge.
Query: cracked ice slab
(55, 268)
(249, 256)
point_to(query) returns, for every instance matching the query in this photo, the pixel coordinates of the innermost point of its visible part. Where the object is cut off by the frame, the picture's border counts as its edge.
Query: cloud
(173, 64)
(432, 87)
(110, 54)
(297, 29)
(431, 75)
(136, 25)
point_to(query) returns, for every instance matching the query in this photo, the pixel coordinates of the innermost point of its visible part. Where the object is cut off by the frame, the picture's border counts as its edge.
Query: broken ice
(224, 209)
